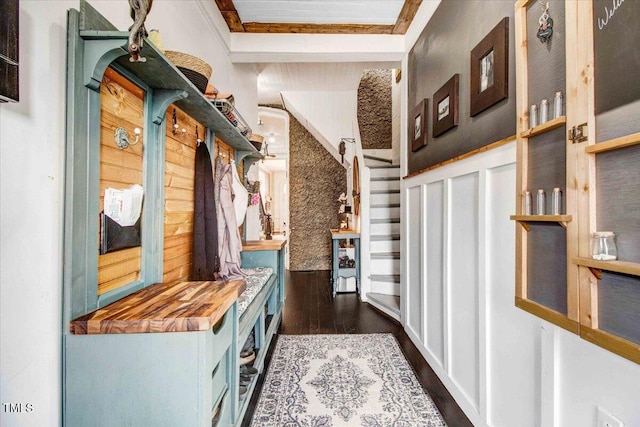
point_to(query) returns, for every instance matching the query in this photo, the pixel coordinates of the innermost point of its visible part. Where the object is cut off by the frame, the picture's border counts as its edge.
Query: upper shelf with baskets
(161, 75)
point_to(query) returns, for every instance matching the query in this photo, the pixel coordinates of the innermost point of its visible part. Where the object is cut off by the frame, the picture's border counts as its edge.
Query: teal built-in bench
(168, 355)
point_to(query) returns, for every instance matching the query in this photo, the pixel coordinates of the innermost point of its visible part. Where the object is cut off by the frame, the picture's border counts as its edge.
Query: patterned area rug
(342, 380)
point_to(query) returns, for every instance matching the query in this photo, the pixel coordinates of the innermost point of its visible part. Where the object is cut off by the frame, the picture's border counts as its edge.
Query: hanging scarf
(205, 228)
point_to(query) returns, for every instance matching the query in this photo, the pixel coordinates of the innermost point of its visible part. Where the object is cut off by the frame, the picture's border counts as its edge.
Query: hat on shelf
(194, 68)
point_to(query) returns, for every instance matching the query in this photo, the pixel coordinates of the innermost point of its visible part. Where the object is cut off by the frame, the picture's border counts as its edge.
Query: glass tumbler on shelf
(526, 208)
(603, 246)
(544, 111)
(556, 201)
(533, 116)
(541, 202)
(557, 105)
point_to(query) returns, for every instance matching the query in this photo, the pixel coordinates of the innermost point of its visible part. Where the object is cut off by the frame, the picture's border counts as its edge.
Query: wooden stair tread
(385, 255)
(379, 237)
(385, 221)
(385, 191)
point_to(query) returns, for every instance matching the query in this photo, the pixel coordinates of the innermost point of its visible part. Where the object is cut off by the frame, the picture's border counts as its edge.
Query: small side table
(337, 272)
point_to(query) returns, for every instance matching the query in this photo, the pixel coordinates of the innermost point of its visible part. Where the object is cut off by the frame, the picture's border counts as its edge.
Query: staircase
(384, 238)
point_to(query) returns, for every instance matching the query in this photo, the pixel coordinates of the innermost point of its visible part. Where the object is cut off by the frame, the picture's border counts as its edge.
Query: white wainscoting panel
(463, 284)
(461, 254)
(512, 390)
(435, 269)
(414, 268)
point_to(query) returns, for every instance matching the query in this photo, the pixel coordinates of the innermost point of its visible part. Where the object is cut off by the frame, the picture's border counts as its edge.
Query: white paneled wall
(504, 367)
(414, 240)
(458, 236)
(462, 282)
(434, 271)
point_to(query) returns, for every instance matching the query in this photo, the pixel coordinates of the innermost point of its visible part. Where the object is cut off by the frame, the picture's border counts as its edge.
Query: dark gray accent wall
(442, 50)
(374, 109)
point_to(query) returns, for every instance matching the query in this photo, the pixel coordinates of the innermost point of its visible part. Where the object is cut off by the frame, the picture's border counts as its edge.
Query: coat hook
(175, 127)
(198, 140)
(122, 137)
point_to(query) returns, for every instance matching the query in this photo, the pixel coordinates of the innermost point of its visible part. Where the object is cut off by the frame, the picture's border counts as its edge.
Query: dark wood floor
(310, 309)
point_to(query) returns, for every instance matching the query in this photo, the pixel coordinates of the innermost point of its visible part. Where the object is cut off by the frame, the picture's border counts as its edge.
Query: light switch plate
(605, 419)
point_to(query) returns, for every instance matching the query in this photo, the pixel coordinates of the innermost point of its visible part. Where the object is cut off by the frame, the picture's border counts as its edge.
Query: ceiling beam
(280, 28)
(406, 16)
(235, 24)
(230, 15)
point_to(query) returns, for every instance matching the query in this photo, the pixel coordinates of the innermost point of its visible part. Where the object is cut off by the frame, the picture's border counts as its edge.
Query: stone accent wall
(316, 180)
(374, 109)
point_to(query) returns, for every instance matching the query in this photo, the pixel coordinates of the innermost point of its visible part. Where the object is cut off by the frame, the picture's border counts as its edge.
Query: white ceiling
(311, 77)
(320, 11)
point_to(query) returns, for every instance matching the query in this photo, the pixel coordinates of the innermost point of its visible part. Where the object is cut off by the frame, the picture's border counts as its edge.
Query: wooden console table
(337, 271)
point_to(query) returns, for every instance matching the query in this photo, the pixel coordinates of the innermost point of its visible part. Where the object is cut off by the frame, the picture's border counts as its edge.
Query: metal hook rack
(121, 137)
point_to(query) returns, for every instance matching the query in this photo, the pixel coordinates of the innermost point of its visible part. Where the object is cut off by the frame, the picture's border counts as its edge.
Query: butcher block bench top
(164, 307)
(263, 245)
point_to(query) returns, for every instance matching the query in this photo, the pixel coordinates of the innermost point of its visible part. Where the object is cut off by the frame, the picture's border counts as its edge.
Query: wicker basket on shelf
(195, 69)
(256, 140)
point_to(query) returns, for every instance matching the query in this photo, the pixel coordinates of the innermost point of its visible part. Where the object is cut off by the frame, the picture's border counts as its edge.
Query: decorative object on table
(195, 69)
(490, 69)
(350, 379)
(545, 24)
(418, 125)
(343, 212)
(445, 107)
(137, 32)
(268, 227)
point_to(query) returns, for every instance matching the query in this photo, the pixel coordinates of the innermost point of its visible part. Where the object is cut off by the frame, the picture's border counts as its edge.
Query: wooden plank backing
(121, 105)
(180, 154)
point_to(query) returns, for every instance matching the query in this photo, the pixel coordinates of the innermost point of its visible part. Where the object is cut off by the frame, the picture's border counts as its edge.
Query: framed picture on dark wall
(445, 106)
(418, 125)
(9, 51)
(490, 69)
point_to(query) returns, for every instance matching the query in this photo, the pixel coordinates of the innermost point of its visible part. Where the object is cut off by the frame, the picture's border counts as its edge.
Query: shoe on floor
(242, 391)
(248, 370)
(248, 358)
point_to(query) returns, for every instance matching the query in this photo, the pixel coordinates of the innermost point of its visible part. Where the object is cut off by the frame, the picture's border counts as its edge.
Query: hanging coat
(229, 243)
(206, 262)
(240, 195)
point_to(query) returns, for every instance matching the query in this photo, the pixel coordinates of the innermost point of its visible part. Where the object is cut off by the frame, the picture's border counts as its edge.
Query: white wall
(503, 366)
(32, 151)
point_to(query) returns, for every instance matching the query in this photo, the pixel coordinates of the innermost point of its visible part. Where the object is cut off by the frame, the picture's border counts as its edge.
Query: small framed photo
(418, 125)
(445, 106)
(490, 69)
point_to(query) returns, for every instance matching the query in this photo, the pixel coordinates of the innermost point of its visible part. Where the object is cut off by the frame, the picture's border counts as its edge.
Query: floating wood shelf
(614, 144)
(160, 74)
(545, 127)
(563, 220)
(596, 267)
